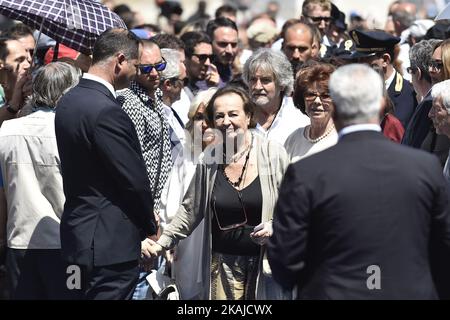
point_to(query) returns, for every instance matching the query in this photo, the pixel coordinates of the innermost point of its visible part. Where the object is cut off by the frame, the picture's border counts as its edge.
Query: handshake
(150, 249)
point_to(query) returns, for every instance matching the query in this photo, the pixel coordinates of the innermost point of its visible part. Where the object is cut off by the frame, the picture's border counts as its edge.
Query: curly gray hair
(271, 61)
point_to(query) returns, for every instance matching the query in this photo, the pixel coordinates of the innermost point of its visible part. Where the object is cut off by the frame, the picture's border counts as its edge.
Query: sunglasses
(436, 64)
(147, 68)
(203, 57)
(319, 19)
(234, 225)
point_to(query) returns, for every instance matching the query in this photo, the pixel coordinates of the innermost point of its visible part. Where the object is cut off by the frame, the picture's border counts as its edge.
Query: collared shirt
(287, 120)
(30, 165)
(153, 133)
(388, 82)
(177, 133)
(359, 127)
(102, 81)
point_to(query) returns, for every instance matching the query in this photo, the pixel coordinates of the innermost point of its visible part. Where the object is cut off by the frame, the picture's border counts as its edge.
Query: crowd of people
(243, 160)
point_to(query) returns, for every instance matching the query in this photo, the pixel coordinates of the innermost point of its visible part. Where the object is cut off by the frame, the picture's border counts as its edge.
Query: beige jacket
(272, 163)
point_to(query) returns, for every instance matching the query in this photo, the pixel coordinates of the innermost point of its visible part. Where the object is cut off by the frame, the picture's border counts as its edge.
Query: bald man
(298, 44)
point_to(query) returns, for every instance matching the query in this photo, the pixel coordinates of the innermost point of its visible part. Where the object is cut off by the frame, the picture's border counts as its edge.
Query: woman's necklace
(319, 138)
(238, 182)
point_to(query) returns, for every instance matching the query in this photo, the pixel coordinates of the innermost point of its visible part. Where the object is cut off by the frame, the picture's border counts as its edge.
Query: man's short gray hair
(420, 56)
(172, 69)
(272, 61)
(52, 82)
(442, 89)
(356, 90)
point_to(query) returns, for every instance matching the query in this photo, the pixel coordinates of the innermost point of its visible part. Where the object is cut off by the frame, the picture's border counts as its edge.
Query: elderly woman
(186, 266)
(312, 97)
(440, 114)
(234, 189)
(33, 188)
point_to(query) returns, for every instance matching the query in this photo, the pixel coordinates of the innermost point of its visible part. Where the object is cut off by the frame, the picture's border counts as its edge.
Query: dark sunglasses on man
(203, 57)
(319, 19)
(147, 68)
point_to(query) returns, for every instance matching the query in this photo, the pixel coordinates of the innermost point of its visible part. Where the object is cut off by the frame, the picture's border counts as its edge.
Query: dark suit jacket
(366, 201)
(421, 134)
(419, 125)
(403, 97)
(109, 206)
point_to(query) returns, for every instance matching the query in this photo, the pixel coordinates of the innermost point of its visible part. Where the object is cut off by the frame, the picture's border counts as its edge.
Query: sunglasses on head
(203, 57)
(147, 68)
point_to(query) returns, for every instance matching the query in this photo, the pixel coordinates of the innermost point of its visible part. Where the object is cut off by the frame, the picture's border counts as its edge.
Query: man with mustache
(270, 79)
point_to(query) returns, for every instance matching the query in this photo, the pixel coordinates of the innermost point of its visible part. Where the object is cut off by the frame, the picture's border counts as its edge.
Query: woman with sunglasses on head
(235, 190)
(312, 97)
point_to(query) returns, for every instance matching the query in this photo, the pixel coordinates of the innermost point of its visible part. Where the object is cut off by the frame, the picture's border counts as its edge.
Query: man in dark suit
(109, 206)
(355, 221)
(376, 48)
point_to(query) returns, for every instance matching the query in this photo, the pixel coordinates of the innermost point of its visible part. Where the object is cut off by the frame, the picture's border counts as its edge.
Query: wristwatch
(11, 109)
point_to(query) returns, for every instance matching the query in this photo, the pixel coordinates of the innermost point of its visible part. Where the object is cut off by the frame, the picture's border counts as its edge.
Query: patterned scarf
(148, 117)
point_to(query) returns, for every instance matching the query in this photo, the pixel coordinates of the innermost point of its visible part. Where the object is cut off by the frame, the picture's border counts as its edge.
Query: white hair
(356, 90)
(442, 89)
(172, 58)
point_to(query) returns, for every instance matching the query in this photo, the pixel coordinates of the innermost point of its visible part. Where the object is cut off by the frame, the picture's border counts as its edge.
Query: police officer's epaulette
(399, 83)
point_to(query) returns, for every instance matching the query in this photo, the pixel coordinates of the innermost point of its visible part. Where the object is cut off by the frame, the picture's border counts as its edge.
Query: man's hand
(22, 89)
(212, 76)
(150, 249)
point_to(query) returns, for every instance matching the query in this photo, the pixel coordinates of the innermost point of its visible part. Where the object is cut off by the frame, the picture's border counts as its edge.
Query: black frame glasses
(203, 57)
(234, 225)
(147, 68)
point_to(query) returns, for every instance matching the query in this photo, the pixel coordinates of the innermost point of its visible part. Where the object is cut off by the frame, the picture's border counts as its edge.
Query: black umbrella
(74, 23)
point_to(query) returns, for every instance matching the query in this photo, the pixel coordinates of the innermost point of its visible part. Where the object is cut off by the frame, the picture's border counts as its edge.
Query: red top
(392, 128)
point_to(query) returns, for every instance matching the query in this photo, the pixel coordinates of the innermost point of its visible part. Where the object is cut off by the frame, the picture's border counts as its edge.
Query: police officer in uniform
(376, 48)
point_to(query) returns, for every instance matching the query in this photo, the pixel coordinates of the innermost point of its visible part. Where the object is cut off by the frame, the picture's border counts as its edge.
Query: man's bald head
(298, 42)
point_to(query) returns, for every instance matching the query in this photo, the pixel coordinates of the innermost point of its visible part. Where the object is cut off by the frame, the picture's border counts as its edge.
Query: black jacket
(109, 206)
(364, 202)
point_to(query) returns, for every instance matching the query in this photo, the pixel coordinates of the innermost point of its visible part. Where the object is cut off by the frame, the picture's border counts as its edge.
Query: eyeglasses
(147, 68)
(319, 19)
(311, 96)
(234, 225)
(411, 70)
(436, 65)
(203, 57)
